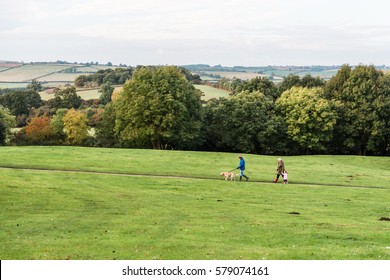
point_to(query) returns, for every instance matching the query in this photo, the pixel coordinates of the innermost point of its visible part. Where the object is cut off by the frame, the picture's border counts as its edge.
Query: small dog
(228, 175)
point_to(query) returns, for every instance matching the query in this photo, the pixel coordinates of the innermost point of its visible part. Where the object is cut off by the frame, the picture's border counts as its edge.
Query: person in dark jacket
(241, 166)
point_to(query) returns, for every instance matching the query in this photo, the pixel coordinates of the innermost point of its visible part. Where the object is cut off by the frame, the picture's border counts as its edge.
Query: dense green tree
(66, 98)
(309, 117)
(105, 128)
(334, 87)
(159, 107)
(259, 84)
(358, 96)
(81, 81)
(3, 133)
(7, 122)
(333, 91)
(213, 125)
(244, 123)
(235, 85)
(116, 76)
(248, 118)
(20, 102)
(380, 137)
(307, 81)
(289, 82)
(106, 91)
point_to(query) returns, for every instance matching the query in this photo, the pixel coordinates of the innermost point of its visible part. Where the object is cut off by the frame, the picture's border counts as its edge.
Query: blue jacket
(242, 164)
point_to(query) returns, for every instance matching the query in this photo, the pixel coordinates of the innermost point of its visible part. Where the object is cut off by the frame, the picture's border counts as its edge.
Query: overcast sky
(227, 32)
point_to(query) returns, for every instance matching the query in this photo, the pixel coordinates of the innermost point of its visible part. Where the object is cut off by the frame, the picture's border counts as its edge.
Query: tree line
(159, 108)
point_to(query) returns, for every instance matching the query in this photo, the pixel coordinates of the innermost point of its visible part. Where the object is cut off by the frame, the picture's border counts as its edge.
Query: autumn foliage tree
(38, 130)
(75, 124)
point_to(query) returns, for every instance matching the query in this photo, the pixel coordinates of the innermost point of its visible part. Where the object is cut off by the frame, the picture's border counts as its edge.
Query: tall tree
(247, 122)
(360, 98)
(244, 122)
(379, 142)
(105, 128)
(334, 92)
(213, 125)
(159, 107)
(309, 117)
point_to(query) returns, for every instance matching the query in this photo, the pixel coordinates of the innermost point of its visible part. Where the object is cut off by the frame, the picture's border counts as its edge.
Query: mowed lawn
(335, 207)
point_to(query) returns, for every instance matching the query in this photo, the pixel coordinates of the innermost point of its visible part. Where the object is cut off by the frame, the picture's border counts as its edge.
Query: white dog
(228, 175)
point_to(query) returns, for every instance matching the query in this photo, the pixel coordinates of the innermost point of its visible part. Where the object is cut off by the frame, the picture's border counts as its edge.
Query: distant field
(87, 70)
(89, 94)
(326, 74)
(13, 85)
(211, 92)
(239, 75)
(9, 65)
(46, 96)
(277, 73)
(60, 77)
(29, 72)
(48, 74)
(84, 94)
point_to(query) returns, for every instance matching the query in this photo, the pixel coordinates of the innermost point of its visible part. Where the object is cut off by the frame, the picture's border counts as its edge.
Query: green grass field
(92, 203)
(211, 92)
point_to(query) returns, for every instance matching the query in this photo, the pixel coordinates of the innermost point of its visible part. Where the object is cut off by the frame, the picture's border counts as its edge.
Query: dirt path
(173, 177)
(101, 173)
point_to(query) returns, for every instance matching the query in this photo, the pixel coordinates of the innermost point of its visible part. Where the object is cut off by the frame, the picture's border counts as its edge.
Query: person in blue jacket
(242, 168)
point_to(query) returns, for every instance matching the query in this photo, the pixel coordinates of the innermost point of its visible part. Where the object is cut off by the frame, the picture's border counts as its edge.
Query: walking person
(241, 166)
(280, 169)
(285, 177)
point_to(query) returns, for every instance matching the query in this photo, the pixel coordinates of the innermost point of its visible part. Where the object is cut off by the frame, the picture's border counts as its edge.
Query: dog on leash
(228, 175)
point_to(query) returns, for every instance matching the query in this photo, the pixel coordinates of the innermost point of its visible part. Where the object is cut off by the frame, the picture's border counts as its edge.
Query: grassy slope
(328, 170)
(55, 215)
